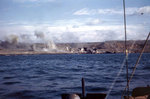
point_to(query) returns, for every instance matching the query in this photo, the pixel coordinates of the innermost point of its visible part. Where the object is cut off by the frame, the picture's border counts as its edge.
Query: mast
(126, 50)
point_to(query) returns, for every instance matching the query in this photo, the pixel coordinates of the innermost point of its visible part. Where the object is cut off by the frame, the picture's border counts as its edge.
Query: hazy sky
(73, 20)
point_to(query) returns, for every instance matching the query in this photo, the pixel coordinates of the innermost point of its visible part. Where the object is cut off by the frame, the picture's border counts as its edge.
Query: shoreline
(6, 53)
(108, 47)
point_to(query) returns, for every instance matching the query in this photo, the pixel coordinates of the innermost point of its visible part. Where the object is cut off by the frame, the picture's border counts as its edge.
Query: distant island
(13, 47)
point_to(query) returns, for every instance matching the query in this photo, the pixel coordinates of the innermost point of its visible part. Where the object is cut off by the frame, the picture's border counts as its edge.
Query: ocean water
(48, 76)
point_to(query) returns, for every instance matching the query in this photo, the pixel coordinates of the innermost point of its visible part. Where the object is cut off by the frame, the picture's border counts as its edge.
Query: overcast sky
(73, 20)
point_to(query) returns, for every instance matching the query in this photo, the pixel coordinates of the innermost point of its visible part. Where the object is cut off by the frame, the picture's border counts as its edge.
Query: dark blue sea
(48, 76)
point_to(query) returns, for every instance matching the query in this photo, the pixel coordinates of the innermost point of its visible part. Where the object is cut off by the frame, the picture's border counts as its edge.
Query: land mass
(10, 48)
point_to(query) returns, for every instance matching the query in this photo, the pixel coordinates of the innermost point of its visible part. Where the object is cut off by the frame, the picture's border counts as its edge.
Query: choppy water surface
(48, 76)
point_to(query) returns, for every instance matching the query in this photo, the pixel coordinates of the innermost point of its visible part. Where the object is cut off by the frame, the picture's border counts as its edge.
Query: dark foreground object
(140, 93)
(83, 95)
(88, 96)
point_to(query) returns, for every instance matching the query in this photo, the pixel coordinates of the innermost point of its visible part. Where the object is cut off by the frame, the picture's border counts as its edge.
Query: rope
(112, 85)
(136, 64)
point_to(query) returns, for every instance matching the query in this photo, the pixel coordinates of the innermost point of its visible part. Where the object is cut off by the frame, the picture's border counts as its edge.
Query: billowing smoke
(37, 40)
(10, 41)
(39, 34)
(49, 44)
(13, 39)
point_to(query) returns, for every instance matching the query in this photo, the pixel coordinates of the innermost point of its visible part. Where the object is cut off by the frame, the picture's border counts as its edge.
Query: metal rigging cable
(126, 50)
